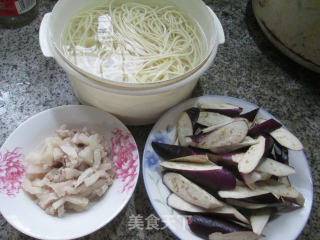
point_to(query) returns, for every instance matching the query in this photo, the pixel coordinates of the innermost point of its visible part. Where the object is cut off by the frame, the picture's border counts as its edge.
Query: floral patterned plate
(24, 214)
(165, 131)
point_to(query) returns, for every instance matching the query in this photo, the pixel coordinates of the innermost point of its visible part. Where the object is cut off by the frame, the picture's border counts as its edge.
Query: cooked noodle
(133, 42)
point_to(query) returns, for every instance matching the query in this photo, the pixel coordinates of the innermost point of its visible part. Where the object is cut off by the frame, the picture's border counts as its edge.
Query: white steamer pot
(134, 106)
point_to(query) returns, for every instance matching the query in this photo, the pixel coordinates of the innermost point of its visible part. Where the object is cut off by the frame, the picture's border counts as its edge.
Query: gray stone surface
(247, 66)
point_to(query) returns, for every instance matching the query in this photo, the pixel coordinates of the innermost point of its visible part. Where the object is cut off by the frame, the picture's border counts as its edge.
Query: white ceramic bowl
(24, 214)
(165, 131)
(136, 104)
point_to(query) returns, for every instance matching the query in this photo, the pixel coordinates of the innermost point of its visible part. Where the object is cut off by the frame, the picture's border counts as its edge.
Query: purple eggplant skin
(281, 153)
(232, 112)
(220, 179)
(267, 198)
(170, 151)
(204, 226)
(268, 145)
(193, 114)
(250, 205)
(250, 116)
(264, 127)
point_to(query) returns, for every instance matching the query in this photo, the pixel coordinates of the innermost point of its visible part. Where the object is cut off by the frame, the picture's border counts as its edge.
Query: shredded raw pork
(73, 168)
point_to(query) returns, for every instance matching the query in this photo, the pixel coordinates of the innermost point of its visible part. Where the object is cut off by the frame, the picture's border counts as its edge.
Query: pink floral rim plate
(286, 227)
(24, 214)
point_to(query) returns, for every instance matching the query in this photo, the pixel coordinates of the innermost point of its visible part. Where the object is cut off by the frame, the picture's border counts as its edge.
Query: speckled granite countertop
(247, 66)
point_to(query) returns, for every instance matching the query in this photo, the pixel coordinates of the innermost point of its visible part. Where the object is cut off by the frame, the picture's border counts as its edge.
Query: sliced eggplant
(244, 235)
(275, 168)
(265, 192)
(250, 205)
(251, 115)
(250, 195)
(229, 134)
(189, 191)
(179, 153)
(287, 139)
(281, 190)
(209, 175)
(203, 225)
(247, 142)
(185, 126)
(259, 220)
(266, 126)
(226, 211)
(253, 156)
(222, 108)
(211, 118)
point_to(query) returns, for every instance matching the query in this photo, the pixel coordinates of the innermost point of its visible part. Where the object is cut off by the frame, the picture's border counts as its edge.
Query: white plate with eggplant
(221, 168)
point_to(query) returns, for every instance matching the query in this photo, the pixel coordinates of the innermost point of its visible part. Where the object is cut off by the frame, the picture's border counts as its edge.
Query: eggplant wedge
(257, 195)
(229, 134)
(204, 226)
(209, 175)
(265, 192)
(190, 191)
(172, 152)
(275, 168)
(250, 205)
(287, 139)
(186, 123)
(253, 156)
(225, 211)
